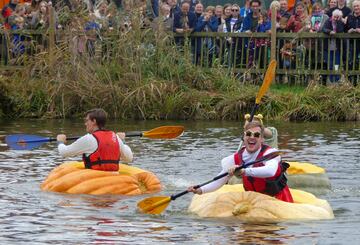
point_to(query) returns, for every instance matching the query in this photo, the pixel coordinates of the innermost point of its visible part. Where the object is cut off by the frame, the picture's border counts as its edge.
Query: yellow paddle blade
(154, 205)
(269, 77)
(164, 132)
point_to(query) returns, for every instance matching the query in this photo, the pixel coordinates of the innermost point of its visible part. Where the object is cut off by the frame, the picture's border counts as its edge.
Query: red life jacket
(107, 155)
(272, 185)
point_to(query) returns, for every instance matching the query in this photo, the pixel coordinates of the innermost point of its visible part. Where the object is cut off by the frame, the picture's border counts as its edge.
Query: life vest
(271, 185)
(107, 155)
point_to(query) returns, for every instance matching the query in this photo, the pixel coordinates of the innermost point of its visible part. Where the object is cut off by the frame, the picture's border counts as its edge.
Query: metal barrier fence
(299, 55)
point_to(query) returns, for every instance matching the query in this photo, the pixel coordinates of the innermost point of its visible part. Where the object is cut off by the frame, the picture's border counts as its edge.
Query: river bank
(194, 98)
(145, 78)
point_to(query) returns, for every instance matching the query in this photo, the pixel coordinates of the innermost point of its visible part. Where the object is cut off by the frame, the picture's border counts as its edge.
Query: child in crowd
(287, 56)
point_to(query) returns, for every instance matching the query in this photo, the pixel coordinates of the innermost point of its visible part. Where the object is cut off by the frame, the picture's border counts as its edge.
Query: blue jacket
(212, 26)
(264, 27)
(247, 23)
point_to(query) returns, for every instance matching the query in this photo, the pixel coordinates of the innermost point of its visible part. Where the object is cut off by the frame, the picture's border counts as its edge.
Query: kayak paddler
(101, 149)
(266, 177)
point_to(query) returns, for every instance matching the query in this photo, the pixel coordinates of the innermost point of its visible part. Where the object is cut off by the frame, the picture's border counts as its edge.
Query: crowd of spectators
(189, 16)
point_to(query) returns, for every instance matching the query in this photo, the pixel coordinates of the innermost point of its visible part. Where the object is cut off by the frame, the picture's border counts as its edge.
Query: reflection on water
(32, 216)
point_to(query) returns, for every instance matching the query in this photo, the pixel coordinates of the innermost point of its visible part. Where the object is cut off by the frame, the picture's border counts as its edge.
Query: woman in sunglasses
(266, 177)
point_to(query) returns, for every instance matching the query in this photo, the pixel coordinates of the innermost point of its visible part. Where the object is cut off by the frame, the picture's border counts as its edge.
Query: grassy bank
(141, 76)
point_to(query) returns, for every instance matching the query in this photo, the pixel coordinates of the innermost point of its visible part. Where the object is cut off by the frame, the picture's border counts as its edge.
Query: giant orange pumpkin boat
(72, 178)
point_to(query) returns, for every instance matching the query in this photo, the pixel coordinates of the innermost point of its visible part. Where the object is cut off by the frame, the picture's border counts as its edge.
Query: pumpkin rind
(73, 178)
(233, 201)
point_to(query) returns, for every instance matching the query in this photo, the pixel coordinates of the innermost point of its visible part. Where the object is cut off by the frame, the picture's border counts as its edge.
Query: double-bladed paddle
(156, 205)
(28, 142)
(269, 77)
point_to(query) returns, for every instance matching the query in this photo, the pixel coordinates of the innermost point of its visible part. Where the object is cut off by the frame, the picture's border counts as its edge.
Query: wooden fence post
(274, 9)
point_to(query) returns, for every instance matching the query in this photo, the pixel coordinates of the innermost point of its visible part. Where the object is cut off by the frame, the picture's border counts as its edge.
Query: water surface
(30, 216)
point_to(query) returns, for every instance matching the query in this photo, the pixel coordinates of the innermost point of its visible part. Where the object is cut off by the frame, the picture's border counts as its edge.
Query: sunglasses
(235, 10)
(255, 134)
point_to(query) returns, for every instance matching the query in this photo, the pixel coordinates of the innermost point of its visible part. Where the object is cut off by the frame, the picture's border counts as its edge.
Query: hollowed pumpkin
(73, 178)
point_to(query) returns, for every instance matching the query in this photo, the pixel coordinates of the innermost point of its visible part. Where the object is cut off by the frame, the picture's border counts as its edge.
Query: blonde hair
(257, 117)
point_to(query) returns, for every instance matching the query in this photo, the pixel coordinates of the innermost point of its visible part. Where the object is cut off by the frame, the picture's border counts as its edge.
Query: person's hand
(233, 171)
(193, 190)
(357, 30)
(61, 138)
(332, 33)
(207, 17)
(351, 30)
(121, 135)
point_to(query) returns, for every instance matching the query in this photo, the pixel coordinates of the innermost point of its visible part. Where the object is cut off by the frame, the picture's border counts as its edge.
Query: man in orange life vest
(265, 177)
(101, 149)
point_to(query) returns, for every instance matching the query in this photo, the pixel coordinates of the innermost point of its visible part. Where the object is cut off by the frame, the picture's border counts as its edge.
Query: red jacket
(107, 155)
(274, 186)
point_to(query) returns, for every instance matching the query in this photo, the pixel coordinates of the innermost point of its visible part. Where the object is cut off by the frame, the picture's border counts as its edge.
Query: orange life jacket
(107, 155)
(271, 185)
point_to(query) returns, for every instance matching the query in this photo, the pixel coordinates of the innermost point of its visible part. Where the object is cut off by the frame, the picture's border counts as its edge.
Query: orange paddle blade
(164, 132)
(269, 77)
(154, 205)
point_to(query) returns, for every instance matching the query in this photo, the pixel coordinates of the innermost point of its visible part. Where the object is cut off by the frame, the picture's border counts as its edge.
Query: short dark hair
(99, 115)
(255, 1)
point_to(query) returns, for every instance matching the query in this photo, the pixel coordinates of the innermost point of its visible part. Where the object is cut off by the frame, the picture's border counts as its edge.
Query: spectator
(332, 5)
(235, 21)
(318, 18)
(28, 15)
(244, 11)
(219, 15)
(164, 22)
(7, 11)
(41, 18)
(234, 24)
(332, 26)
(174, 7)
(184, 22)
(205, 47)
(261, 44)
(19, 12)
(251, 20)
(299, 21)
(353, 26)
(287, 56)
(199, 9)
(227, 13)
(18, 42)
(92, 30)
(283, 15)
(344, 9)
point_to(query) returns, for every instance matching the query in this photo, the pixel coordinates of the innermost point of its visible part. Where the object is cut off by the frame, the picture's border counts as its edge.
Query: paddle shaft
(50, 139)
(254, 109)
(128, 134)
(267, 157)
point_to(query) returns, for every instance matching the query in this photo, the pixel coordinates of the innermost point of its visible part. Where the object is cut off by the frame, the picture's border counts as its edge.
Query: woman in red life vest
(101, 149)
(265, 177)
